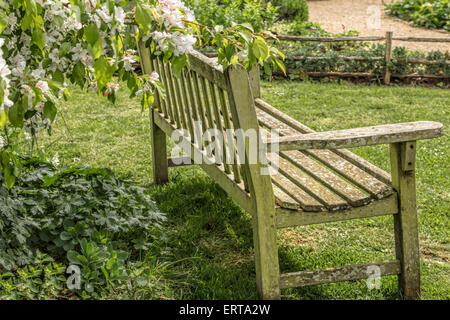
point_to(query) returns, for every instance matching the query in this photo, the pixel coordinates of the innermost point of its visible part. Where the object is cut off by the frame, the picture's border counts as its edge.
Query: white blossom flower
(104, 14)
(119, 14)
(154, 76)
(128, 63)
(183, 42)
(111, 88)
(12, 20)
(38, 73)
(6, 102)
(54, 56)
(39, 107)
(4, 70)
(43, 86)
(90, 5)
(11, 43)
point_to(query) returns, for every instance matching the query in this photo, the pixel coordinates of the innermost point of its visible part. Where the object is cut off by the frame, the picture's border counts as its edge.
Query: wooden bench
(318, 180)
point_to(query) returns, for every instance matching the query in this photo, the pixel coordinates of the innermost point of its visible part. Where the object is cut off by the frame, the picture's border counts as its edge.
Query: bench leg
(159, 153)
(266, 256)
(405, 223)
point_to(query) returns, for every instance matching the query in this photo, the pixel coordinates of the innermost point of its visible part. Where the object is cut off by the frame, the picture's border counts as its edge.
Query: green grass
(209, 236)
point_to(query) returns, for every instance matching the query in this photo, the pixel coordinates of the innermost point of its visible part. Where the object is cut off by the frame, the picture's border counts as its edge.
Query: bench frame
(258, 198)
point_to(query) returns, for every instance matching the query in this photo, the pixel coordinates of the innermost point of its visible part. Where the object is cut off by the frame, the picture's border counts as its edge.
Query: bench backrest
(219, 99)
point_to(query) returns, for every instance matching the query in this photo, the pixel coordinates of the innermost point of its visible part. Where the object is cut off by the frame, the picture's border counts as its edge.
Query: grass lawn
(209, 251)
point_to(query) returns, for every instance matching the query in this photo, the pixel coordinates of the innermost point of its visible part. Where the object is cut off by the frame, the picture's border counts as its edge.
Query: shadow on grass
(214, 236)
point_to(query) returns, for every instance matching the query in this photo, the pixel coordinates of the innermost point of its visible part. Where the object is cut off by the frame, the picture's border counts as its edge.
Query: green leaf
(248, 26)
(16, 113)
(2, 90)
(279, 64)
(103, 72)
(246, 35)
(143, 17)
(79, 74)
(64, 49)
(26, 21)
(3, 120)
(65, 236)
(260, 49)
(10, 178)
(39, 38)
(50, 111)
(72, 257)
(178, 64)
(92, 36)
(8, 169)
(58, 76)
(3, 20)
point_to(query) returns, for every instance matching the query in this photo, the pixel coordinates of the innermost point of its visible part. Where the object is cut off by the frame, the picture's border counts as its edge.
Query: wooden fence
(388, 38)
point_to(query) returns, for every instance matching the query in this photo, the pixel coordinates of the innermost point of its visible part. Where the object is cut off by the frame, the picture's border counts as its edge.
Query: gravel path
(338, 15)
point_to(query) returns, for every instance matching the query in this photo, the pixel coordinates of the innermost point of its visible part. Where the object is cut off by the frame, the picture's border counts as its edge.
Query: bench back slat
(187, 105)
(175, 98)
(160, 103)
(169, 98)
(202, 94)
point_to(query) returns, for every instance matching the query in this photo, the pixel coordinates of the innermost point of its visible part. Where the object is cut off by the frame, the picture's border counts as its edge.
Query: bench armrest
(358, 137)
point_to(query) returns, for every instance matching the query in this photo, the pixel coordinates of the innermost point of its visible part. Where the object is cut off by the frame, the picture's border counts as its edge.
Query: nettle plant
(46, 45)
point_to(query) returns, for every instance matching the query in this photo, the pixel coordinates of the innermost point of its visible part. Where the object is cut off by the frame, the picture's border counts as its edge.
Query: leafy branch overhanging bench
(317, 181)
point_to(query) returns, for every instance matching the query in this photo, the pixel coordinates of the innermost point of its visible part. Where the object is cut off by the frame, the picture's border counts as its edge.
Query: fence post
(387, 57)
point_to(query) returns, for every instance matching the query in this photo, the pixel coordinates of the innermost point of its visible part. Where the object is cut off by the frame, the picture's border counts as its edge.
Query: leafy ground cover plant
(81, 216)
(432, 14)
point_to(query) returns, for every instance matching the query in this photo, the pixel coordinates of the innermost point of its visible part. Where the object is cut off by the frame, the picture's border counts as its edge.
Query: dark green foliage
(226, 12)
(292, 9)
(312, 29)
(43, 279)
(337, 64)
(80, 215)
(432, 14)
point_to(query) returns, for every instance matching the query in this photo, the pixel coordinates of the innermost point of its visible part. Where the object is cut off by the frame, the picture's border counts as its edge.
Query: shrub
(259, 14)
(292, 9)
(335, 63)
(312, 29)
(433, 14)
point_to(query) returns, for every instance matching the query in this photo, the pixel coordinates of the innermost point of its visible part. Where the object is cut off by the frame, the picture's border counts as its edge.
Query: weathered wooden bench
(317, 181)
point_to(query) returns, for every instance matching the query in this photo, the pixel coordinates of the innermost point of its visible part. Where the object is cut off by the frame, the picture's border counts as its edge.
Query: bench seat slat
(358, 176)
(344, 189)
(284, 200)
(297, 198)
(308, 184)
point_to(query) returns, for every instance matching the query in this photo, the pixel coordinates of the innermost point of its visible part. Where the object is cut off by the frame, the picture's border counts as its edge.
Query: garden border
(388, 38)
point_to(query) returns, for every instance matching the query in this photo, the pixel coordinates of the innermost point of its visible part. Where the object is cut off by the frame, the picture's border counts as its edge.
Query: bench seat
(316, 180)
(319, 180)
